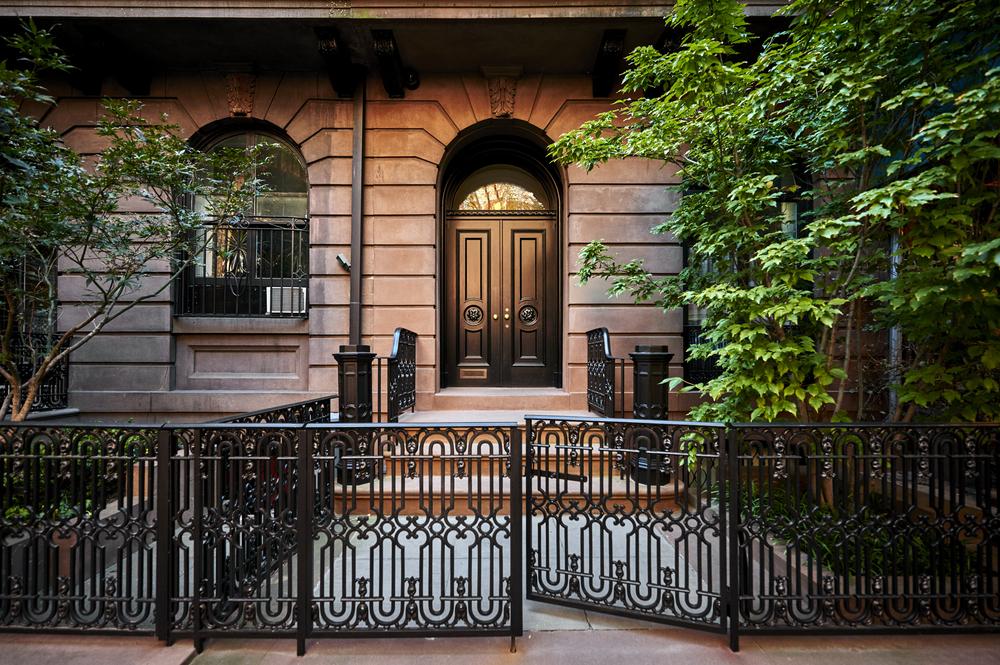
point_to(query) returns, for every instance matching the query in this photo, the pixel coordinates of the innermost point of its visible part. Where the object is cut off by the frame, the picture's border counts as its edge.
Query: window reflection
(501, 187)
(501, 196)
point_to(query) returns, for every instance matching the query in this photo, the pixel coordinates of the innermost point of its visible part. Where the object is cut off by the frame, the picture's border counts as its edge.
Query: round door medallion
(528, 315)
(473, 315)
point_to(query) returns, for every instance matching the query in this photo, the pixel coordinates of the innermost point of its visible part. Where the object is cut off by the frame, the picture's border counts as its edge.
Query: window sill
(244, 324)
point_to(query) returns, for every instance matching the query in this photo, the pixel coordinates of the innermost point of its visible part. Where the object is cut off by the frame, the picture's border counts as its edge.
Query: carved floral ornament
(240, 89)
(501, 83)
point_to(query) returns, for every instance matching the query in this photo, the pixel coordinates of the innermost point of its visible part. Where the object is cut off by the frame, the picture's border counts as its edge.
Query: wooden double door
(501, 300)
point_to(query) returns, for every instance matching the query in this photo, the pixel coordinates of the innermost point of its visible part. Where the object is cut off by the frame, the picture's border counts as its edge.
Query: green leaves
(104, 224)
(882, 120)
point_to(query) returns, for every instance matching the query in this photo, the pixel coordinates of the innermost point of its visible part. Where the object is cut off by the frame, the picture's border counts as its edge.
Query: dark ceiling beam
(337, 58)
(96, 54)
(607, 71)
(395, 77)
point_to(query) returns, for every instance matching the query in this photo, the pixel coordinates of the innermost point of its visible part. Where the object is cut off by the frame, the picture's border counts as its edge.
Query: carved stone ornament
(502, 85)
(240, 89)
(502, 91)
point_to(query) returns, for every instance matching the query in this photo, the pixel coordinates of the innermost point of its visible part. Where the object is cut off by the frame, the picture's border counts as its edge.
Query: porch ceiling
(555, 46)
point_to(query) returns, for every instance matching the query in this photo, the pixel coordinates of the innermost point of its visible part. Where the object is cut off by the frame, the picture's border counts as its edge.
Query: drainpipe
(354, 360)
(357, 210)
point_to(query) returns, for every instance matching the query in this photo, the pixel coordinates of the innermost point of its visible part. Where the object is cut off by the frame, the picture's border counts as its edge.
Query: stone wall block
(411, 114)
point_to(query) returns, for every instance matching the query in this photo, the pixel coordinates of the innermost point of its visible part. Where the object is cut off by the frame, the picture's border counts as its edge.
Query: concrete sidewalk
(615, 647)
(659, 646)
(49, 649)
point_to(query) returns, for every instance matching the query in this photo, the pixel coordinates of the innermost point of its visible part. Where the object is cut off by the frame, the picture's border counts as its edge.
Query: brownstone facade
(153, 363)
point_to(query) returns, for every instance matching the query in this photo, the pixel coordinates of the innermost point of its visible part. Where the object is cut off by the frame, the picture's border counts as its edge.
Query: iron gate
(624, 517)
(261, 530)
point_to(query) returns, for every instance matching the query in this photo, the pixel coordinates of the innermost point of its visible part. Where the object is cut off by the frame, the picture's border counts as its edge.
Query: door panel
(525, 296)
(501, 288)
(473, 287)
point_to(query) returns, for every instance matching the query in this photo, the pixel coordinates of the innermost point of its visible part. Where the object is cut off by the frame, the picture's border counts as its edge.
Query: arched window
(258, 264)
(500, 188)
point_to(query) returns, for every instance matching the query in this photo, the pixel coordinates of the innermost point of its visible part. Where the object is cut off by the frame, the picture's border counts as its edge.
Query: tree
(104, 221)
(882, 117)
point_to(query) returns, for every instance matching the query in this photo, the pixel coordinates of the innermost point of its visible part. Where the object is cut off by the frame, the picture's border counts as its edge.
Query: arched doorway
(501, 272)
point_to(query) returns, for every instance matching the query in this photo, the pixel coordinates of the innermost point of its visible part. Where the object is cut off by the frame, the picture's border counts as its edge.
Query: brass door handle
(495, 317)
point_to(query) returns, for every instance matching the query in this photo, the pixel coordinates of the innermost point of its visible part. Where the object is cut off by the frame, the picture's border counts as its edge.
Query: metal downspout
(357, 211)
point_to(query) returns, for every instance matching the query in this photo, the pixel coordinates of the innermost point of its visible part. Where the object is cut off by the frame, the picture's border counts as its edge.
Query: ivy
(882, 120)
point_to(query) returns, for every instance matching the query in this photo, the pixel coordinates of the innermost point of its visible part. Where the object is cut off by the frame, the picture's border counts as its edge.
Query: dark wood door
(501, 300)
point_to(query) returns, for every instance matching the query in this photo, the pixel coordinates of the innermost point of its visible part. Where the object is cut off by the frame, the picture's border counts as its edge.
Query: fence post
(198, 540)
(650, 367)
(354, 374)
(732, 480)
(164, 541)
(304, 512)
(517, 541)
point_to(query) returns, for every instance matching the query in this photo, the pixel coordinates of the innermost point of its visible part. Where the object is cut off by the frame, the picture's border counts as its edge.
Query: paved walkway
(615, 647)
(48, 649)
(598, 643)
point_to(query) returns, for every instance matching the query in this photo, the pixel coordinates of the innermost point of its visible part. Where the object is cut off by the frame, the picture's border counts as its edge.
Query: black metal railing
(767, 528)
(698, 370)
(257, 266)
(400, 369)
(862, 527)
(304, 530)
(605, 372)
(324, 529)
(320, 409)
(53, 392)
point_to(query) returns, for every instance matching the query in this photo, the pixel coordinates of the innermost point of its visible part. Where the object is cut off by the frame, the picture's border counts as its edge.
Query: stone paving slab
(643, 643)
(613, 647)
(49, 649)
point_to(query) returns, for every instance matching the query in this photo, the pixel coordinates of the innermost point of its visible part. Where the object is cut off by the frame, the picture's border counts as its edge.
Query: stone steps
(499, 399)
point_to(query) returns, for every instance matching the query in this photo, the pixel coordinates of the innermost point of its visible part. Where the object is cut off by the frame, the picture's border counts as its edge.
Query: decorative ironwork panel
(416, 530)
(600, 373)
(309, 411)
(855, 527)
(233, 517)
(698, 370)
(248, 266)
(402, 373)
(77, 527)
(624, 517)
(53, 392)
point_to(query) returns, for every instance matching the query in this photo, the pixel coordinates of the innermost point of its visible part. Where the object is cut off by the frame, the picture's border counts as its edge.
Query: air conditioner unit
(286, 300)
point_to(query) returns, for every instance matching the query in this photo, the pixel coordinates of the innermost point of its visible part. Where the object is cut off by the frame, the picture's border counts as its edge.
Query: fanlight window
(256, 265)
(501, 188)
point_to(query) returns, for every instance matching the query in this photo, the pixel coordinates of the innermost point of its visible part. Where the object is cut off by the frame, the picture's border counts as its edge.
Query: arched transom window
(500, 188)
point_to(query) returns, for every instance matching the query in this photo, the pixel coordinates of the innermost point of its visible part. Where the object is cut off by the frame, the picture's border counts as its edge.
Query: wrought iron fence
(308, 411)
(767, 528)
(602, 376)
(867, 527)
(401, 375)
(258, 266)
(698, 370)
(324, 529)
(53, 392)
(250, 529)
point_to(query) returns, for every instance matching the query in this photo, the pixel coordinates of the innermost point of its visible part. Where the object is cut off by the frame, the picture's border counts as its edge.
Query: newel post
(354, 375)
(650, 367)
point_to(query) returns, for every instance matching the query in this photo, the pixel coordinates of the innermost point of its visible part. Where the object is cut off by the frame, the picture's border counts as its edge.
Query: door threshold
(504, 391)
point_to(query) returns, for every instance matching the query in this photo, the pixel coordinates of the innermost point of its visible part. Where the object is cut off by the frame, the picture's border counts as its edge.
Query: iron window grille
(256, 266)
(27, 352)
